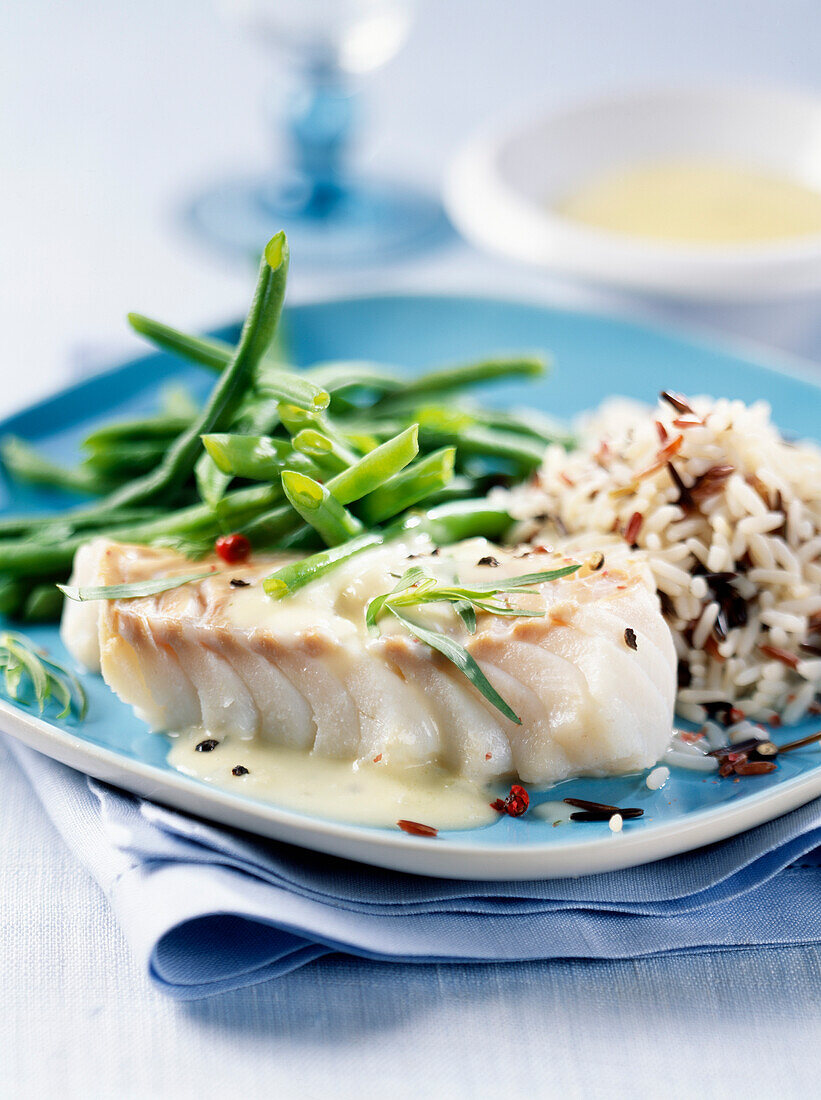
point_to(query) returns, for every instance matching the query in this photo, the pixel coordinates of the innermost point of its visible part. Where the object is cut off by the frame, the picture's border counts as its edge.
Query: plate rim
(378, 846)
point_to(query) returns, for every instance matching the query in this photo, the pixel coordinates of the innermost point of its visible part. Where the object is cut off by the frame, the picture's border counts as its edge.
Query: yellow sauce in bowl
(698, 202)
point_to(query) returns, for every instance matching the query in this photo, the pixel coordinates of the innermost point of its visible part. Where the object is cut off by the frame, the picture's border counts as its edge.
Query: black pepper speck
(630, 638)
(208, 745)
(235, 582)
(240, 769)
(488, 559)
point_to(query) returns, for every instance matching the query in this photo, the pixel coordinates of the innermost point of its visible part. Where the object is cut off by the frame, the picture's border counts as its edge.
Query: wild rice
(718, 491)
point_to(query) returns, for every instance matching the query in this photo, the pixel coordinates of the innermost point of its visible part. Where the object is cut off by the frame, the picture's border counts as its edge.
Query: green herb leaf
(418, 586)
(513, 584)
(459, 656)
(467, 614)
(129, 591)
(22, 661)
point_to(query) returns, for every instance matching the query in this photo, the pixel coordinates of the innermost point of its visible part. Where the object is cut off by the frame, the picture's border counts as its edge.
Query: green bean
(299, 573)
(468, 438)
(176, 401)
(457, 488)
(527, 422)
(26, 558)
(454, 521)
(367, 474)
(13, 593)
(257, 416)
(445, 379)
(489, 442)
(335, 377)
(137, 430)
(27, 464)
(371, 471)
(325, 452)
(360, 479)
(340, 376)
(234, 510)
(414, 484)
(530, 423)
(445, 524)
(319, 508)
(440, 427)
(296, 420)
(129, 458)
(290, 388)
(43, 604)
(42, 526)
(273, 527)
(255, 457)
(31, 557)
(205, 350)
(257, 332)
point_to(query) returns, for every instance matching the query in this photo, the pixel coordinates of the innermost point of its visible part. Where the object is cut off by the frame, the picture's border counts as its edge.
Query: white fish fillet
(304, 672)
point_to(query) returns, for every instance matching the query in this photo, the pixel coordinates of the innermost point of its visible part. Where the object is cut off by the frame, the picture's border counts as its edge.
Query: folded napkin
(209, 909)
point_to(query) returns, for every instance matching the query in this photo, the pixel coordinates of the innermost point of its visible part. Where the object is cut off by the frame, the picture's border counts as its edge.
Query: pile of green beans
(329, 459)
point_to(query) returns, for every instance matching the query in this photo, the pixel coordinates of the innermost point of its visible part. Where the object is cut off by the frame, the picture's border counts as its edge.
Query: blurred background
(116, 118)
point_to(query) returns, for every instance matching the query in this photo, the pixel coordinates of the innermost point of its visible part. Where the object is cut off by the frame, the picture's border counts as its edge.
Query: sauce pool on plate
(369, 792)
(696, 201)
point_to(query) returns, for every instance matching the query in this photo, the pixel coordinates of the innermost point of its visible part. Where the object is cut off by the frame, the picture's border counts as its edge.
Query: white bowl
(501, 187)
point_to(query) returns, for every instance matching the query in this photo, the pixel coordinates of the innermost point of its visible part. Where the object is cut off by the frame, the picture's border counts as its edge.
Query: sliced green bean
(257, 416)
(371, 471)
(323, 451)
(319, 508)
(255, 457)
(445, 524)
(296, 420)
(299, 573)
(411, 486)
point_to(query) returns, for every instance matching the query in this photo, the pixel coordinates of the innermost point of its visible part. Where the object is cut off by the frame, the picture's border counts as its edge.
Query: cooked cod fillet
(304, 672)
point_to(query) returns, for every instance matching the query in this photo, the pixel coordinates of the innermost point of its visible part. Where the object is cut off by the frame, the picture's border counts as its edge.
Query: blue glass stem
(319, 121)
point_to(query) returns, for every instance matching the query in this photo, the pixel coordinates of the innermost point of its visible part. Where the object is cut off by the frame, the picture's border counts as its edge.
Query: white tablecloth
(112, 113)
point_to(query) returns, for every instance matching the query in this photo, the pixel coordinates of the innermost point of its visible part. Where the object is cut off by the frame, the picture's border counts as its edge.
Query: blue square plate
(594, 358)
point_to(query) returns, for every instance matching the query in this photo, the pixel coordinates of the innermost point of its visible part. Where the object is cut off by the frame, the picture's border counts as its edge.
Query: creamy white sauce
(697, 200)
(336, 604)
(359, 792)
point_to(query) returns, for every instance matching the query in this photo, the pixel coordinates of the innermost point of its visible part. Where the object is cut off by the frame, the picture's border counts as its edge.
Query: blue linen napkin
(209, 909)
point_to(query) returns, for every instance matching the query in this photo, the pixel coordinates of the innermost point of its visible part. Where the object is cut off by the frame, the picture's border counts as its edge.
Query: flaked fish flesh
(593, 680)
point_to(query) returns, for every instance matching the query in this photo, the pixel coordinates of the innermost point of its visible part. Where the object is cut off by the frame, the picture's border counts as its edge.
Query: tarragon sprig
(24, 664)
(418, 586)
(132, 590)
